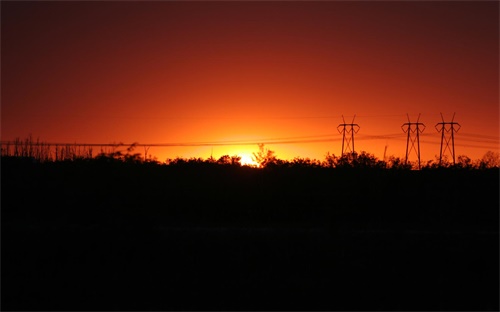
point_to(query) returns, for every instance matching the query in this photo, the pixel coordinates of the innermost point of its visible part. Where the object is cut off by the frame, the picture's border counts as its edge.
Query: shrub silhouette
(229, 160)
(266, 158)
(115, 233)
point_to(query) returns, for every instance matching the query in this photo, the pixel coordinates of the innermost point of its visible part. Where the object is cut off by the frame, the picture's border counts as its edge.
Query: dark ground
(114, 236)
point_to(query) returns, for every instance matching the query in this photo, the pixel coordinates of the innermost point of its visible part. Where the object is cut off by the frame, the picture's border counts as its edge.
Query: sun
(246, 160)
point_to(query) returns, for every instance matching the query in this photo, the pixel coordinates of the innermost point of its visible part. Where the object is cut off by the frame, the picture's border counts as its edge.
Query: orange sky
(183, 72)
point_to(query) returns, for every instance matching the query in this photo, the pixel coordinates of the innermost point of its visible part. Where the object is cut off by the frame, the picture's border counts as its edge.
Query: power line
(190, 144)
(280, 140)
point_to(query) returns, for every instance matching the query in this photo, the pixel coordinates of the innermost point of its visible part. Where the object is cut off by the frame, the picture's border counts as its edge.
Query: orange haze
(280, 73)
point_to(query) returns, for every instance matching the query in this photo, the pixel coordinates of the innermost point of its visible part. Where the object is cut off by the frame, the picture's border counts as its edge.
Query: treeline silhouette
(119, 232)
(45, 152)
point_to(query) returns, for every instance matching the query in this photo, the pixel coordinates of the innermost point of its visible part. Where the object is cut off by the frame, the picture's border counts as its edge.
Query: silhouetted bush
(266, 158)
(115, 232)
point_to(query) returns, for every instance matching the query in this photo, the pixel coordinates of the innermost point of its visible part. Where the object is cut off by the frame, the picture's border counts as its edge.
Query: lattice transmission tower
(448, 128)
(413, 129)
(348, 131)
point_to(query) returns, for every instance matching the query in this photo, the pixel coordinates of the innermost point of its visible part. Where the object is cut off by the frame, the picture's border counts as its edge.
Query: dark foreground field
(116, 236)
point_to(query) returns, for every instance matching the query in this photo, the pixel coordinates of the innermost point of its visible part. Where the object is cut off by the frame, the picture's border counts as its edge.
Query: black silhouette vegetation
(116, 232)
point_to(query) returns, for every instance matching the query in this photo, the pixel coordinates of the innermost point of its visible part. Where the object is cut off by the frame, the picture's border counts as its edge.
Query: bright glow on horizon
(247, 160)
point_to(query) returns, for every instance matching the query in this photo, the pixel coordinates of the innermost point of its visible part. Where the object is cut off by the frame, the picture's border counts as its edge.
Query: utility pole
(413, 129)
(449, 128)
(350, 130)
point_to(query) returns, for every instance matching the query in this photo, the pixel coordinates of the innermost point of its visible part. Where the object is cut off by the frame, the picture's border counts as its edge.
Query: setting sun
(247, 160)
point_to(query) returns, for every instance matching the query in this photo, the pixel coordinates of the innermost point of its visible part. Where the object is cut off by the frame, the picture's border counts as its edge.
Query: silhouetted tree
(305, 163)
(464, 162)
(176, 161)
(224, 160)
(346, 160)
(394, 162)
(119, 155)
(330, 161)
(490, 160)
(367, 160)
(229, 160)
(264, 157)
(236, 160)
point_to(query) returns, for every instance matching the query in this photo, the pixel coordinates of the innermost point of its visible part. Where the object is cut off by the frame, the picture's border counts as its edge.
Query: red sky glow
(281, 73)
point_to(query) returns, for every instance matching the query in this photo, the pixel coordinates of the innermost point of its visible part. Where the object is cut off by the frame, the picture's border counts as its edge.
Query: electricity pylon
(349, 129)
(413, 129)
(449, 128)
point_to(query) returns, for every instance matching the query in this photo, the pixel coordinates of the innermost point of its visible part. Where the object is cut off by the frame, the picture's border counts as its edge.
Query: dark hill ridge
(97, 235)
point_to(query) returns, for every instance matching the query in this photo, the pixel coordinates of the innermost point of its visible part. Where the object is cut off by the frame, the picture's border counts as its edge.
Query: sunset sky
(229, 73)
